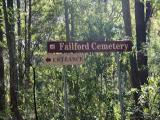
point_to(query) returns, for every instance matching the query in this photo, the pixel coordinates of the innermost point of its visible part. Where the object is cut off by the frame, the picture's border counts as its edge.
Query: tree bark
(142, 57)
(28, 46)
(72, 22)
(141, 41)
(9, 26)
(128, 30)
(64, 67)
(34, 94)
(148, 11)
(127, 17)
(19, 31)
(133, 62)
(2, 86)
(67, 20)
(26, 41)
(120, 87)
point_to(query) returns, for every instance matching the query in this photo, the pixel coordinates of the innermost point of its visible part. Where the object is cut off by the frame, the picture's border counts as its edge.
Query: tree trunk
(127, 17)
(142, 57)
(26, 42)
(133, 62)
(64, 67)
(9, 26)
(2, 87)
(28, 48)
(120, 87)
(67, 20)
(72, 22)
(141, 41)
(20, 65)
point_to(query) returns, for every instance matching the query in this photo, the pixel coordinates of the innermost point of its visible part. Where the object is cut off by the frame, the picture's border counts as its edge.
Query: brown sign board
(88, 46)
(64, 59)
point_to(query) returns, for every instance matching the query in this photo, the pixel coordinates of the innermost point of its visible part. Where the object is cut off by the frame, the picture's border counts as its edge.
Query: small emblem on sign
(52, 47)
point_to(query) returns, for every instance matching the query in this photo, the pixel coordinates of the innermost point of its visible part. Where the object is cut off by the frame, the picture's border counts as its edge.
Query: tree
(19, 32)
(72, 20)
(9, 26)
(133, 62)
(141, 42)
(67, 20)
(64, 67)
(90, 90)
(2, 86)
(28, 46)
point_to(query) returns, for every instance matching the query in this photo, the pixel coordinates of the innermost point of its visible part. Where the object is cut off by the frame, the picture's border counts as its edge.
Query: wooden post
(65, 92)
(34, 93)
(120, 82)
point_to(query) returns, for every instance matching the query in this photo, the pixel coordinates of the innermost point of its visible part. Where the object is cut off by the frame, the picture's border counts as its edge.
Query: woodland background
(109, 86)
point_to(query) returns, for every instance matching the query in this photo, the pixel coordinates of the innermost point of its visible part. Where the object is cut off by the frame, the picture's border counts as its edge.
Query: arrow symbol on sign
(48, 59)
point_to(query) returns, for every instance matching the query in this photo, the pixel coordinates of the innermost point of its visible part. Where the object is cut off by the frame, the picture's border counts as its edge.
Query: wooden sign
(88, 46)
(64, 59)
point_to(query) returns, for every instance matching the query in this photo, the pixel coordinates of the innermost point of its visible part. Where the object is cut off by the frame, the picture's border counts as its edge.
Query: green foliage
(93, 87)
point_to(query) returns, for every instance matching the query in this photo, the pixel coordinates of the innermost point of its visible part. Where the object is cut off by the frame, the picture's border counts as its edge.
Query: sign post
(120, 83)
(65, 92)
(65, 53)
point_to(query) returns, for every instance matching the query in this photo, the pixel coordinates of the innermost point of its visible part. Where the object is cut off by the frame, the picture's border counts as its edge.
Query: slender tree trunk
(141, 41)
(72, 22)
(2, 86)
(133, 62)
(64, 67)
(20, 65)
(149, 11)
(127, 17)
(120, 83)
(142, 57)
(28, 52)
(26, 42)
(34, 92)
(67, 20)
(9, 26)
